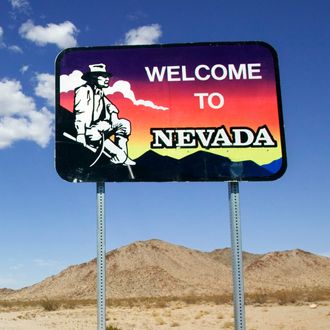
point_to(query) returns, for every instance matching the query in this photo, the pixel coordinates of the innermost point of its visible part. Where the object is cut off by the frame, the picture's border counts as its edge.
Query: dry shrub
(259, 298)
(318, 294)
(160, 303)
(70, 304)
(174, 324)
(282, 297)
(18, 304)
(201, 313)
(112, 327)
(159, 320)
(46, 303)
(228, 325)
(220, 316)
(285, 297)
(216, 299)
(222, 299)
(49, 305)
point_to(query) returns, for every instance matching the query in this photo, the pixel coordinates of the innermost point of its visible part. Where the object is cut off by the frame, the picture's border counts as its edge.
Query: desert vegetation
(280, 297)
(188, 312)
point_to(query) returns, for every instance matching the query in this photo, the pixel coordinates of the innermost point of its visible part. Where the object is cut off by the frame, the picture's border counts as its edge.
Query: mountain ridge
(156, 268)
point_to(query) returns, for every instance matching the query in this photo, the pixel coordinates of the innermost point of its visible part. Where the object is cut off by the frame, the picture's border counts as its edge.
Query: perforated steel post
(101, 262)
(237, 260)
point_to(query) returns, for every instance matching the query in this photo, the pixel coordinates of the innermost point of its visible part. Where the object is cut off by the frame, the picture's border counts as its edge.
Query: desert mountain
(224, 256)
(155, 268)
(288, 269)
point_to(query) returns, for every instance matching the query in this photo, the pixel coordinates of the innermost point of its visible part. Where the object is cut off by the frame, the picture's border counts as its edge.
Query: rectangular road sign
(179, 112)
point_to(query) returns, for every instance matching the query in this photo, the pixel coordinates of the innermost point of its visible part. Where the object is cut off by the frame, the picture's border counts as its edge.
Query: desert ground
(173, 315)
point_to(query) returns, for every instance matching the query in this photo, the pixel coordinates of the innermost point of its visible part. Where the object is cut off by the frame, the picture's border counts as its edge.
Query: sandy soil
(175, 315)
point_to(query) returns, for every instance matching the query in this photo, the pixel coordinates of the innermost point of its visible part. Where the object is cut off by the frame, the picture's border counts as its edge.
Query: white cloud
(71, 81)
(24, 68)
(19, 4)
(63, 35)
(46, 87)
(2, 44)
(12, 99)
(15, 49)
(19, 117)
(144, 35)
(124, 87)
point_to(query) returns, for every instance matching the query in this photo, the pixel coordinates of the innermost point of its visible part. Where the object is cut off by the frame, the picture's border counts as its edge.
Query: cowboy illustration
(96, 118)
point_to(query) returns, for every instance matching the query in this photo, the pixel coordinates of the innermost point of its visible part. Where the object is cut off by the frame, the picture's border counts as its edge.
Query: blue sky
(47, 224)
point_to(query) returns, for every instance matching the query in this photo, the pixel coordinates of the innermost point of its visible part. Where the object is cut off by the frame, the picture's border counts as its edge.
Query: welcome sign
(182, 112)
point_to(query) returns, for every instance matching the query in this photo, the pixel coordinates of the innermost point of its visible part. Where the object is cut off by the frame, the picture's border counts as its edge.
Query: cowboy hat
(96, 70)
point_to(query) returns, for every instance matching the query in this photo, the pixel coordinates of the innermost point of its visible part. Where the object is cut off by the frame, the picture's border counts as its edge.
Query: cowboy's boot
(116, 154)
(121, 142)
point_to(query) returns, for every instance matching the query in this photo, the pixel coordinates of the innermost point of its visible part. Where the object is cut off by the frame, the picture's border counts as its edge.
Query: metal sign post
(101, 261)
(237, 260)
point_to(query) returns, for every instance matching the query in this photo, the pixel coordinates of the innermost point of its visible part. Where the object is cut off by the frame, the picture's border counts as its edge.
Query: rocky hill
(156, 268)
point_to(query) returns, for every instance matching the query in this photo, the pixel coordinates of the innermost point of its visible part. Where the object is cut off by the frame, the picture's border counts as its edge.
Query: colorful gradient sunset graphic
(182, 96)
